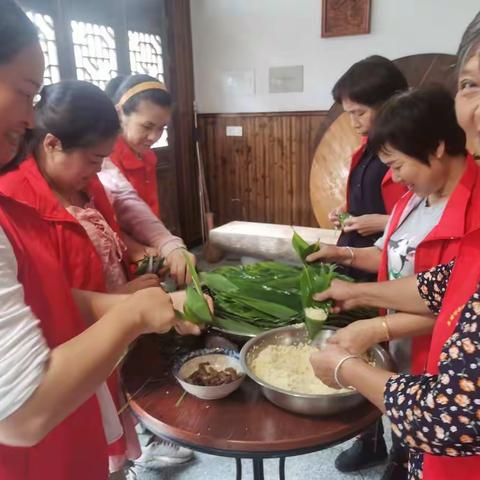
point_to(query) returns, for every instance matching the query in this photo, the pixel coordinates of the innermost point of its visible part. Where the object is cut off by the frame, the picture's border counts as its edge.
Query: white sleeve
(133, 214)
(23, 349)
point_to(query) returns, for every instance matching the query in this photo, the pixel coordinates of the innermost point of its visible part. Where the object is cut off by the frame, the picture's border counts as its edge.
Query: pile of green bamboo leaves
(253, 298)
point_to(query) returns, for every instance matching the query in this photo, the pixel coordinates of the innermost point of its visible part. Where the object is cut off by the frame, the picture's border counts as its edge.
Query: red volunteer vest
(441, 244)
(76, 449)
(140, 172)
(72, 245)
(462, 284)
(391, 191)
(75, 251)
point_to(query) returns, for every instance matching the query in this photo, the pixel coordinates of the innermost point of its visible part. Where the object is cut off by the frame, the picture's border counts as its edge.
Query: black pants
(376, 434)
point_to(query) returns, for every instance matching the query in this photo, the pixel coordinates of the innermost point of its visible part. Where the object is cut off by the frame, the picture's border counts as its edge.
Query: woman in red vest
(51, 422)
(371, 191)
(144, 107)
(76, 127)
(436, 414)
(428, 222)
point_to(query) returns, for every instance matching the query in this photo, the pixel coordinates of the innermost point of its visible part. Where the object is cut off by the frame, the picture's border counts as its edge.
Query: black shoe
(362, 454)
(395, 471)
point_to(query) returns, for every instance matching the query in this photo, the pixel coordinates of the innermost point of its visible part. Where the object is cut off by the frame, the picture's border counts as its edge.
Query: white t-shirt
(416, 223)
(23, 348)
(24, 351)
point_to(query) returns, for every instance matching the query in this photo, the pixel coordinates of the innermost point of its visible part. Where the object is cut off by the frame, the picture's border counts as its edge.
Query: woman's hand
(359, 336)
(344, 294)
(330, 253)
(148, 280)
(150, 308)
(183, 327)
(366, 224)
(178, 266)
(325, 361)
(334, 216)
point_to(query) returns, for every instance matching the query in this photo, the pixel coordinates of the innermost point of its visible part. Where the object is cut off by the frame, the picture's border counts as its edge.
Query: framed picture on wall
(345, 17)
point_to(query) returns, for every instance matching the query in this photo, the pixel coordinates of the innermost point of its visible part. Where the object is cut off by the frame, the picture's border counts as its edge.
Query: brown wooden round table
(245, 425)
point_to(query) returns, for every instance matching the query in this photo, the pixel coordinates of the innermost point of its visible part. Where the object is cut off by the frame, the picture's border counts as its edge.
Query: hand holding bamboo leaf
(196, 308)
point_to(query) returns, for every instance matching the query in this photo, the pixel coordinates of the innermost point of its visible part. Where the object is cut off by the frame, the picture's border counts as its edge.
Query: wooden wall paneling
(167, 190)
(258, 160)
(262, 176)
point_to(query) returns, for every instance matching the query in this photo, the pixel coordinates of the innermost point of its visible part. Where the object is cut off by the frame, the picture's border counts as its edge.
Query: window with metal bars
(46, 32)
(95, 53)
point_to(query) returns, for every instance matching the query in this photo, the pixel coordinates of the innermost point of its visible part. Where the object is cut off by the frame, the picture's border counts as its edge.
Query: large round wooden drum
(337, 139)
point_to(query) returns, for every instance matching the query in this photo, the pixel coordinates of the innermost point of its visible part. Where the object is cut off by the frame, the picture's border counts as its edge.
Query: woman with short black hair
(417, 136)
(371, 193)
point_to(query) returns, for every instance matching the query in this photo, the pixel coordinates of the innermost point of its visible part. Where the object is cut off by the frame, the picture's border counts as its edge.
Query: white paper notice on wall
(286, 79)
(239, 82)
(234, 131)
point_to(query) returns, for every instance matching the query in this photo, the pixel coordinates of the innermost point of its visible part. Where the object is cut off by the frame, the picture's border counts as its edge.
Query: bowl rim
(180, 361)
(243, 359)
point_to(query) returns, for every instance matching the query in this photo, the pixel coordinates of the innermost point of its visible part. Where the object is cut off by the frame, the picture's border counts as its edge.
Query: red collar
(27, 185)
(129, 159)
(453, 220)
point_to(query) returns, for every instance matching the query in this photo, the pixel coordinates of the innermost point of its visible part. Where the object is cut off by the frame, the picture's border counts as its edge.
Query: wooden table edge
(225, 447)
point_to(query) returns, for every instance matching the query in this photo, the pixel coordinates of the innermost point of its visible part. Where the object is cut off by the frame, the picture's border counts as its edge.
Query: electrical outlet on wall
(234, 131)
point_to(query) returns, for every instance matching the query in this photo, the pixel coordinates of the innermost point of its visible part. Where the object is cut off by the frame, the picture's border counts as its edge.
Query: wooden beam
(179, 63)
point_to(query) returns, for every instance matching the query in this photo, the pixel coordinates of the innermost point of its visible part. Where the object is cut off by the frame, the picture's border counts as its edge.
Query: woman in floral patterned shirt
(436, 414)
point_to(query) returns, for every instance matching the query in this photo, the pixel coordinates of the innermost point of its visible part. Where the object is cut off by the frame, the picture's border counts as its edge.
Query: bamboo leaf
(302, 248)
(217, 282)
(196, 308)
(193, 273)
(149, 264)
(315, 319)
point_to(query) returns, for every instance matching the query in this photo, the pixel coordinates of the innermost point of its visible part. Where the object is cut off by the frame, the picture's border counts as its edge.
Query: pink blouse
(106, 241)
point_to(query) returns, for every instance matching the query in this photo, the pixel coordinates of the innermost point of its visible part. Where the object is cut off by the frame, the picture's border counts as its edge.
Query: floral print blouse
(107, 243)
(440, 414)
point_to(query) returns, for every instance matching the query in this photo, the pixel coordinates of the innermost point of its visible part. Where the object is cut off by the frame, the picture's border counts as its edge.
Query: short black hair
(78, 113)
(118, 86)
(370, 82)
(16, 31)
(416, 122)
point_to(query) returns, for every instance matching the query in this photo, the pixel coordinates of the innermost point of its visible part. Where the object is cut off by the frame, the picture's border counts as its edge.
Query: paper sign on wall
(286, 79)
(239, 82)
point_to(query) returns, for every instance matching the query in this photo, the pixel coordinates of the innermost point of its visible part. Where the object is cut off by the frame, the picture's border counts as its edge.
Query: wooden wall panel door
(262, 176)
(167, 191)
(179, 63)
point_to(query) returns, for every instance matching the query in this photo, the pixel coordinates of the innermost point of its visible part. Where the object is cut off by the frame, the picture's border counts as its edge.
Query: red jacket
(75, 250)
(140, 172)
(462, 284)
(76, 449)
(442, 243)
(76, 253)
(391, 191)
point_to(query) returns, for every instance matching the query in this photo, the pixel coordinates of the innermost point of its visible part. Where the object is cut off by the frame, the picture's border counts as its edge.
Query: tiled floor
(317, 466)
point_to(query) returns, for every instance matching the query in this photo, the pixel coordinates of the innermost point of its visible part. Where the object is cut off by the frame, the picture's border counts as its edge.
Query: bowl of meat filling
(210, 373)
